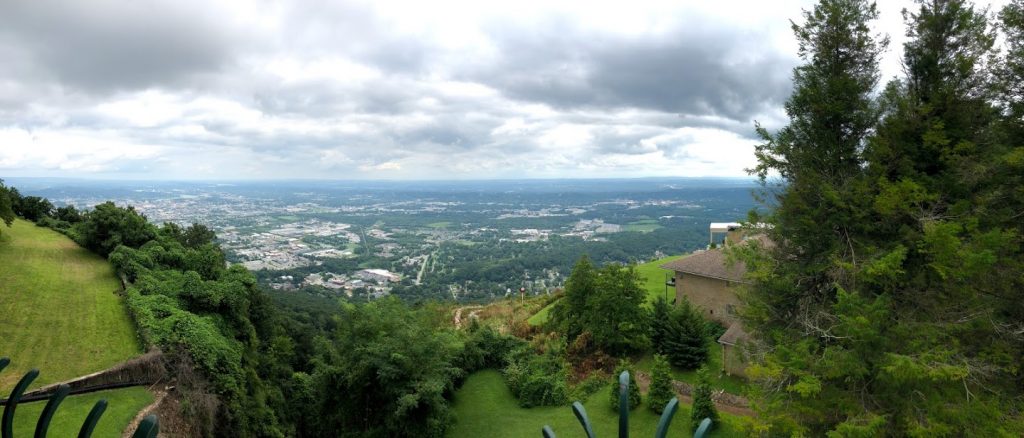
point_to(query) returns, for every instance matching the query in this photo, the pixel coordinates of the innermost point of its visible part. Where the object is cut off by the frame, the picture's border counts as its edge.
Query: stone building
(710, 282)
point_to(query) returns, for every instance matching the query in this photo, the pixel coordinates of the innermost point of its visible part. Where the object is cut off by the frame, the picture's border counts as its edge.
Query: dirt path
(159, 394)
(458, 314)
(724, 402)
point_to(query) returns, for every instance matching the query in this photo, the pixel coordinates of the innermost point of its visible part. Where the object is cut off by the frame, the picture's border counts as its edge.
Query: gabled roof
(734, 335)
(711, 263)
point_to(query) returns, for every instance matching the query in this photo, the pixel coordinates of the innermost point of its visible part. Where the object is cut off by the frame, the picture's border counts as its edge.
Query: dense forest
(890, 304)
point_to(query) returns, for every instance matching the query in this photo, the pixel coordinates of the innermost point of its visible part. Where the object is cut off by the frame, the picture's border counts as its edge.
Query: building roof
(734, 335)
(721, 227)
(711, 263)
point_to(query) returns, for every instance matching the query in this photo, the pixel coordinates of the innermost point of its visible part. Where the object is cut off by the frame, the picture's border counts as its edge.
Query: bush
(634, 389)
(660, 391)
(680, 334)
(703, 407)
(537, 379)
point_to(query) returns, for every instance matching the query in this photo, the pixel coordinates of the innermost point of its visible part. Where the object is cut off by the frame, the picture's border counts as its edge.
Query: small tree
(634, 390)
(703, 407)
(660, 392)
(684, 338)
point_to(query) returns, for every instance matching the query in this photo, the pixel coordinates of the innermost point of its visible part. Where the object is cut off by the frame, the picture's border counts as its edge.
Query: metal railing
(666, 416)
(148, 428)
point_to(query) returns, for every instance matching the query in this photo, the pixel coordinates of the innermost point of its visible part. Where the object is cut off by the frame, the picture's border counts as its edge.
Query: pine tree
(634, 389)
(703, 406)
(889, 302)
(684, 339)
(570, 312)
(660, 392)
(6, 207)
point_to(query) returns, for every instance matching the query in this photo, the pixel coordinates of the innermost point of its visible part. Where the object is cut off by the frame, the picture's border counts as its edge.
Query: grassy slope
(59, 311)
(123, 405)
(484, 406)
(652, 276)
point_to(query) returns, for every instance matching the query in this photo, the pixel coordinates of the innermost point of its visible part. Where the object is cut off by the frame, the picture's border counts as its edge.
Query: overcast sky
(199, 89)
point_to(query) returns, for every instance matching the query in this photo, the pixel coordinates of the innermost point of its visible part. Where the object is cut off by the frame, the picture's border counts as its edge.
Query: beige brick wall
(713, 297)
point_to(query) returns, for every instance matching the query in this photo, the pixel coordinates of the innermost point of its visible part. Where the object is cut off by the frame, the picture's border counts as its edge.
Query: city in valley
(471, 241)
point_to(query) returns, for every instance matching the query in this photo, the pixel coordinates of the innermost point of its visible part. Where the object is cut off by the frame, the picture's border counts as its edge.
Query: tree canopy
(890, 302)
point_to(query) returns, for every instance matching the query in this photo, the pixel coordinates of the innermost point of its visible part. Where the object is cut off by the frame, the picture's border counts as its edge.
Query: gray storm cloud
(256, 89)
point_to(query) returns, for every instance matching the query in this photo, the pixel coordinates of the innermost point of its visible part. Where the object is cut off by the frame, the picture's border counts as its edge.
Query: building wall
(733, 360)
(715, 298)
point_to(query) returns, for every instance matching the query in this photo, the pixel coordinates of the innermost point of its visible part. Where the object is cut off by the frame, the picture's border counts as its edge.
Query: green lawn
(59, 308)
(653, 278)
(541, 316)
(484, 407)
(719, 380)
(643, 226)
(122, 406)
(440, 224)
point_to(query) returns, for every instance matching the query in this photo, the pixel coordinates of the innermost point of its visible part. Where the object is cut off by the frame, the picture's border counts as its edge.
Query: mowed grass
(541, 316)
(718, 378)
(59, 308)
(654, 277)
(485, 407)
(643, 226)
(444, 224)
(122, 406)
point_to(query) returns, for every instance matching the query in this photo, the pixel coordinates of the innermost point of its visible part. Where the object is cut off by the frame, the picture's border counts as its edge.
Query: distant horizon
(245, 180)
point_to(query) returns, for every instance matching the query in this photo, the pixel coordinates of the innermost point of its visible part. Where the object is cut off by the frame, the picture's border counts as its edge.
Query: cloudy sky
(199, 89)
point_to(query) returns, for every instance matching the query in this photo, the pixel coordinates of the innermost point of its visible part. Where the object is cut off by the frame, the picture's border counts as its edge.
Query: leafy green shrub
(634, 389)
(660, 391)
(537, 379)
(703, 407)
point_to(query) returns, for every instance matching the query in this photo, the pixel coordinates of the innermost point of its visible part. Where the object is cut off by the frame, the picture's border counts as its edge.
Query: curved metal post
(51, 406)
(7, 425)
(92, 419)
(666, 417)
(704, 429)
(581, 414)
(148, 428)
(624, 404)
(547, 432)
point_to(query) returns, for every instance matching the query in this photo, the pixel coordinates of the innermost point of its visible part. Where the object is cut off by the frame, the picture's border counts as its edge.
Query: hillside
(60, 309)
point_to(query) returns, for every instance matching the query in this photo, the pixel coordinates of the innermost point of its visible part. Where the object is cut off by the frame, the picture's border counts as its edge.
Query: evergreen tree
(703, 406)
(616, 315)
(886, 305)
(660, 392)
(569, 313)
(661, 321)
(6, 207)
(683, 338)
(634, 389)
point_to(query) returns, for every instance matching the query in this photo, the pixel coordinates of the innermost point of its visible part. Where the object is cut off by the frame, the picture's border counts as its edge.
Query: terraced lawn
(485, 407)
(59, 308)
(122, 406)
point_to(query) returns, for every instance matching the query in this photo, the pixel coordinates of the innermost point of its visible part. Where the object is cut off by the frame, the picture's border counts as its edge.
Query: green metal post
(547, 432)
(581, 414)
(7, 424)
(148, 428)
(624, 404)
(92, 419)
(666, 417)
(51, 406)
(704, 429)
